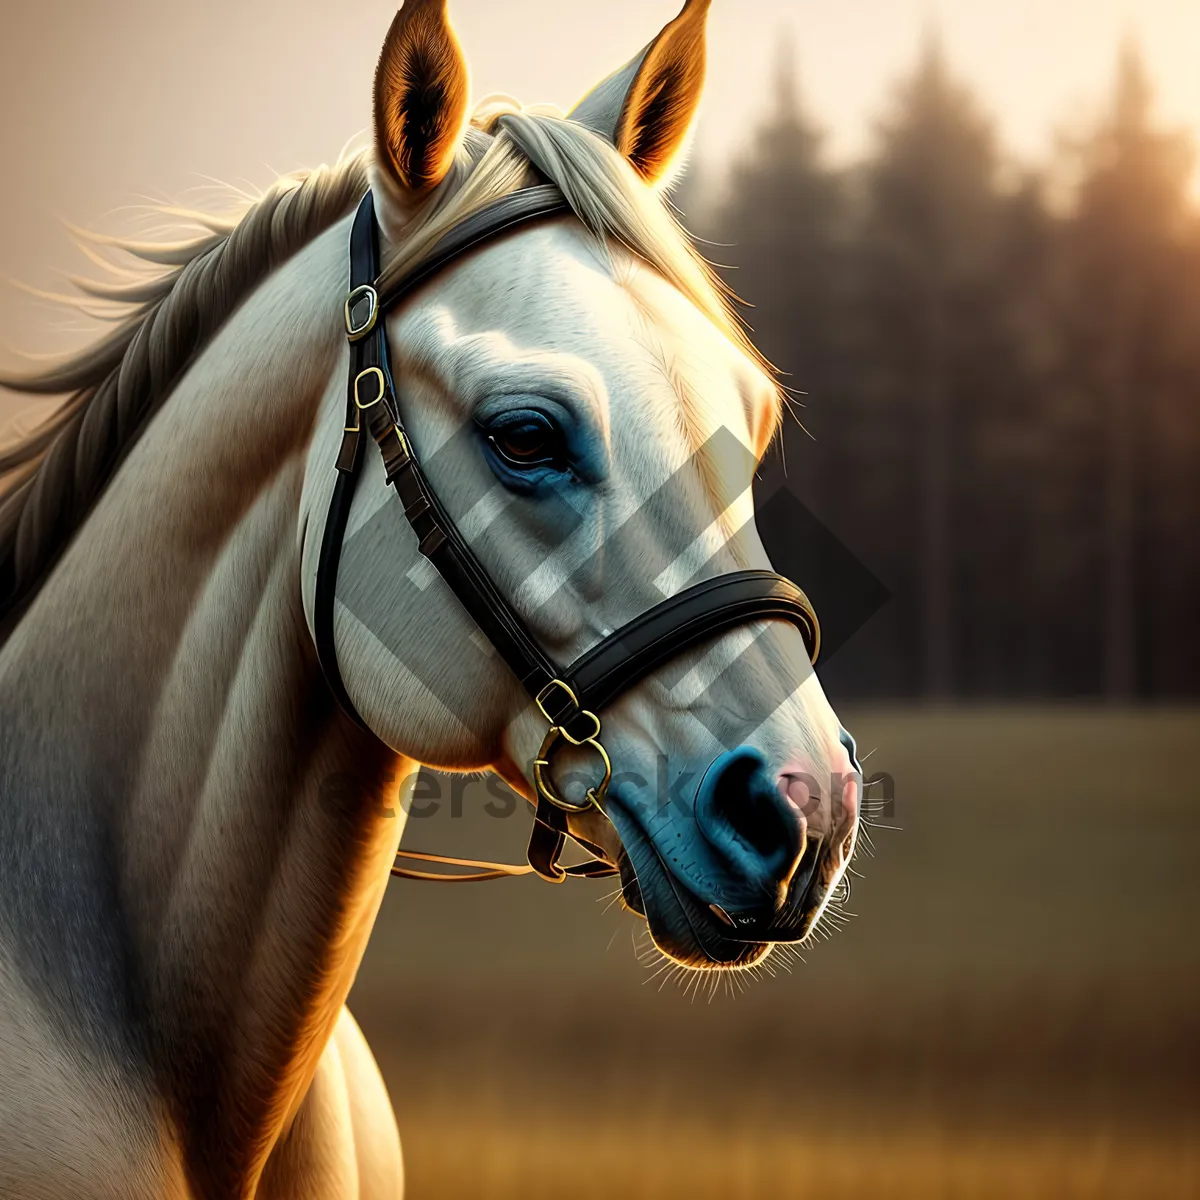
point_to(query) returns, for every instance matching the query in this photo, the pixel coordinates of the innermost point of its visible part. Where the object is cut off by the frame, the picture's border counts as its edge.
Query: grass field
(1013, 1011)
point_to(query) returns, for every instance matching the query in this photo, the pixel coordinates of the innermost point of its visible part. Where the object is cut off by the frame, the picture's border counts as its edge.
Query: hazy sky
(106, 103)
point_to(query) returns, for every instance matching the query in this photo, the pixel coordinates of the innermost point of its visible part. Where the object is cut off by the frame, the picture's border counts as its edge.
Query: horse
(195, 835)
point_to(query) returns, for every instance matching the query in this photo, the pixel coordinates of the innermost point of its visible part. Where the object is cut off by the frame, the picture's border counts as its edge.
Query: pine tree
(1129, 347)
(780, 232)
(928, 253)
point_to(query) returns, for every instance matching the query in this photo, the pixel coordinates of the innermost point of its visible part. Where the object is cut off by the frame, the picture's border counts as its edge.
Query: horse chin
(682, 928)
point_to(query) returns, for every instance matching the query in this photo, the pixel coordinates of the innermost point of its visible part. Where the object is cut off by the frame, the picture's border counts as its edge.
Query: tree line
(996, 376)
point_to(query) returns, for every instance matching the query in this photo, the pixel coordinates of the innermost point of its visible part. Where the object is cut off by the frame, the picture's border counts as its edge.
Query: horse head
(591, 416)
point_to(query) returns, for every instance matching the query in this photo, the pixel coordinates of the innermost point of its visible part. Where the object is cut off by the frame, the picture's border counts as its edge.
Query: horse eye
(527, 443)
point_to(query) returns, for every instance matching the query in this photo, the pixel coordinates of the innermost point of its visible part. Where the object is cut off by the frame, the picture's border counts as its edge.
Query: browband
(517, 208)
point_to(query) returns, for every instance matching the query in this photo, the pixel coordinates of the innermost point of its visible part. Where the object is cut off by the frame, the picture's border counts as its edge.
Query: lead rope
(547, 840)
(484, 870)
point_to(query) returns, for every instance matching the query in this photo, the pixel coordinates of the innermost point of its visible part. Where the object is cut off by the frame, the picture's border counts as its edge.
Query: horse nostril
(741, 814)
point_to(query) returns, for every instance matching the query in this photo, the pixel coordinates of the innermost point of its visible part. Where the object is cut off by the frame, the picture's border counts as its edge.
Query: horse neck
(215, 834)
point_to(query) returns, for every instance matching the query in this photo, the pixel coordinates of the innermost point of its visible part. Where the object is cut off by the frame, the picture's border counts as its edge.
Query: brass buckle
(377, 374)
(359, 406)
(545, 693)
(357, 332)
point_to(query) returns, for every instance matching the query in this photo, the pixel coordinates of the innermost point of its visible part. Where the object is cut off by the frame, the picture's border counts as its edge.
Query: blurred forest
(1000, 378)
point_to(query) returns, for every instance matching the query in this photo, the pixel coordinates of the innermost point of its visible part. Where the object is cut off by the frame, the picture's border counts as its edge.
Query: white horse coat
(184, 897)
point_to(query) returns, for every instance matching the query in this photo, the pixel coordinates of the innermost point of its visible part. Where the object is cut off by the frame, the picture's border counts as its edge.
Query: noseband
(570, 698)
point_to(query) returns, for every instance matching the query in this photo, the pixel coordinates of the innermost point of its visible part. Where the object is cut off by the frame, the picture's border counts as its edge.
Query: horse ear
(646, 108)
(420, 98)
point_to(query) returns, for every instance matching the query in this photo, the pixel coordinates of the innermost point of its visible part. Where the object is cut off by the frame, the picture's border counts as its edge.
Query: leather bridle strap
(569, 698)
(683, 621)
(517, 208)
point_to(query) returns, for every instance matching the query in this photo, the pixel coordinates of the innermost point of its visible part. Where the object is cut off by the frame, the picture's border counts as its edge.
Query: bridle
(569, 699)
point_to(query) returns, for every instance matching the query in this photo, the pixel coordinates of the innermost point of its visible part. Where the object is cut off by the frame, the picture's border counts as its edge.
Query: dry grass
(1012, 1014)
(454, 1153)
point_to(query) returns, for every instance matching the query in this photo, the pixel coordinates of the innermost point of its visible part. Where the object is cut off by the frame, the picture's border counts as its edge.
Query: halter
(569, 699)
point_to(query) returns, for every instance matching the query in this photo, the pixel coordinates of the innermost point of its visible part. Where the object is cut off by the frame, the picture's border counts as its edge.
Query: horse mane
(51, 478)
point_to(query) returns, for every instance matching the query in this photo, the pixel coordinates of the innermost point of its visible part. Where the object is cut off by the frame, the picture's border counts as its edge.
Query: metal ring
(357, 332)
(545, 784)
